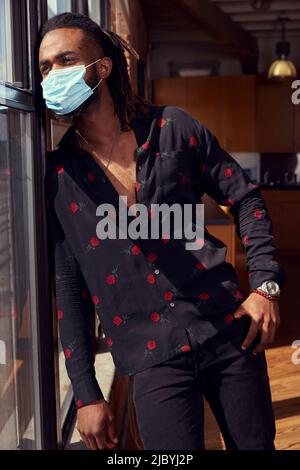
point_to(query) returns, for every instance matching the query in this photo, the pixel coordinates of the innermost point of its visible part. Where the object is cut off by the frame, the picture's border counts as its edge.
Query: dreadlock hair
(113, 46)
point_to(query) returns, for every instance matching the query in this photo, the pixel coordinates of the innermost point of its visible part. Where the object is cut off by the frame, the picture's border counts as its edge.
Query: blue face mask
(65, 89)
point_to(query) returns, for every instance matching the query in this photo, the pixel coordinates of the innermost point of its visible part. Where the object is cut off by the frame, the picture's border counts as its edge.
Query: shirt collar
(142, 116)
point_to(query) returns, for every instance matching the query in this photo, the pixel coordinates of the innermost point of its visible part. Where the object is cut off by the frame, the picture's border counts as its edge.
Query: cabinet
(203, 101)
(238, 131)
(275, 116)
(284, 208)
(247, 113)
(170, 91)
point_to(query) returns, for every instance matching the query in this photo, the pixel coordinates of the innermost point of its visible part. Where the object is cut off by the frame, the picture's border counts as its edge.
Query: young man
(175, 320)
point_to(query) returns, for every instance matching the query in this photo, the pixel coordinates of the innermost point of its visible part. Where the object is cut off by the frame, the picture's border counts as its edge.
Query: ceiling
(167, 22)
(261, 22)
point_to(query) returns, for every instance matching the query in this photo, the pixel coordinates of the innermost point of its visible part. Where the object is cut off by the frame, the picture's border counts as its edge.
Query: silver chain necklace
(96, 154)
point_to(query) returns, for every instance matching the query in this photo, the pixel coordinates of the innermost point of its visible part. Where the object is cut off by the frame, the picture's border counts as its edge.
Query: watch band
(264, 294)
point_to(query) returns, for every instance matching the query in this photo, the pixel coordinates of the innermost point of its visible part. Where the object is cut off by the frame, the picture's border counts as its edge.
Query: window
(58, 6)
(6, 73)
(17, 307)
(94, 10)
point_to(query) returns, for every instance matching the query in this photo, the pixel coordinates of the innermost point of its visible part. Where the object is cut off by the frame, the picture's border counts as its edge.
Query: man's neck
(98, 124)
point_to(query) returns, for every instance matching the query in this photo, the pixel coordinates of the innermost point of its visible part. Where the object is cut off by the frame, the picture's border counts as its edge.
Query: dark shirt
(149, 292)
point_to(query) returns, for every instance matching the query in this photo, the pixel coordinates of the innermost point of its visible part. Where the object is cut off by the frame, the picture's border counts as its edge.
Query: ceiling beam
(220, 27)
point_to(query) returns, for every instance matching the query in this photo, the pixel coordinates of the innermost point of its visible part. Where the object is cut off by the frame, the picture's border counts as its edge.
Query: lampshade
(282, 68)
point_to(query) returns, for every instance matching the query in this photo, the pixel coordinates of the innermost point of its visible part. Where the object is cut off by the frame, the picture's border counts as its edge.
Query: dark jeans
(168, 397)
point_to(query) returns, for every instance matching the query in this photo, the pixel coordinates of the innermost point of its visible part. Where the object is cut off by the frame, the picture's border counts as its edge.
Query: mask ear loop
(97, 83)
(100, 78)
(93, 62)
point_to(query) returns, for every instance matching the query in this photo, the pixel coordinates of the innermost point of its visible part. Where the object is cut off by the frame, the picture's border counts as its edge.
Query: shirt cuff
(86, 391)
(258, 276)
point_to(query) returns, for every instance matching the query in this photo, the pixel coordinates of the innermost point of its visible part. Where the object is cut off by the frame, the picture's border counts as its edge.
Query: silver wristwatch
(270, 287)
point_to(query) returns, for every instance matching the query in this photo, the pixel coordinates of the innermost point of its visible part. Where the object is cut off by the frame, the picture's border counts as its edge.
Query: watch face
(272, 287)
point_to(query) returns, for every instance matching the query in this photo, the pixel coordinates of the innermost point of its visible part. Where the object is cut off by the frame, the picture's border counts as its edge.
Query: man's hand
(265, 317)
(95, 423)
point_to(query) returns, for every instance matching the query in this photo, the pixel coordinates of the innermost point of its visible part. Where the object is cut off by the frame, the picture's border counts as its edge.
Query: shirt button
(156, 271)
(172, 304)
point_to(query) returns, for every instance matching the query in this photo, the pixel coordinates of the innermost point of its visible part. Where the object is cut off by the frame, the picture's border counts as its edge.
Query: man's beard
(69, 118)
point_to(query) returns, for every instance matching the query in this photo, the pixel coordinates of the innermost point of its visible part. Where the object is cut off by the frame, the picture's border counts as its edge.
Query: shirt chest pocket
(177, 176)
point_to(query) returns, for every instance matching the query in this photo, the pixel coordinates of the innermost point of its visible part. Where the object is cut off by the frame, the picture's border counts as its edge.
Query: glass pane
(5, 42)
(94, 10)
(17, 362)
(58, 6)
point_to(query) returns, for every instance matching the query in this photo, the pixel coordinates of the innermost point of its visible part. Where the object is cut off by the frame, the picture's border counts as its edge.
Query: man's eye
(67, 59)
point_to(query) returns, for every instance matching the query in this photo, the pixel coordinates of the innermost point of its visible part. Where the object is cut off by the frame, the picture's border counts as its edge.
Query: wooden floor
(284, 374)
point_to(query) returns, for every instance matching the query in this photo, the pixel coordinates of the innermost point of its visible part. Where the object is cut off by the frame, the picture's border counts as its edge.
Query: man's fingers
(112, 430)
(252, 332)
(90, 442)
(239, 312)
(267, 337)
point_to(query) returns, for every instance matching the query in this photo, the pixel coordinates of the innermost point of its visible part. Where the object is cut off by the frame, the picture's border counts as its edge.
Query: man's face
(66, 47)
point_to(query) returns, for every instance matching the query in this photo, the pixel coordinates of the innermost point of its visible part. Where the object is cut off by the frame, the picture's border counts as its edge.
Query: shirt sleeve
(226, 182)
(75, 312)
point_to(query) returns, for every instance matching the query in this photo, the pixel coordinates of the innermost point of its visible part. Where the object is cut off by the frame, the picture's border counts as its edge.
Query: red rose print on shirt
(94, 242)
(152, 257)
(258, 214)
(161, 122)
(69, 350)
(182, 348)
(132, 250)
(60, 314)
(111, 279)
(67, 353)
(245, 239)
(228, 172)
(59, 170)
(117, 320)
(155, 317)
(96, 300)
(109, 342)
(193, 141)
(76, 206)
(135, 249)
(144, 147)
(229, 319)
(159, 318)
(151, 346)
(238, 294)
(168, 295)
(120, 319)
(151, 278)
(203, 296)
(79, 403)
(229, 202)
(91, 176)
(201, 265)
